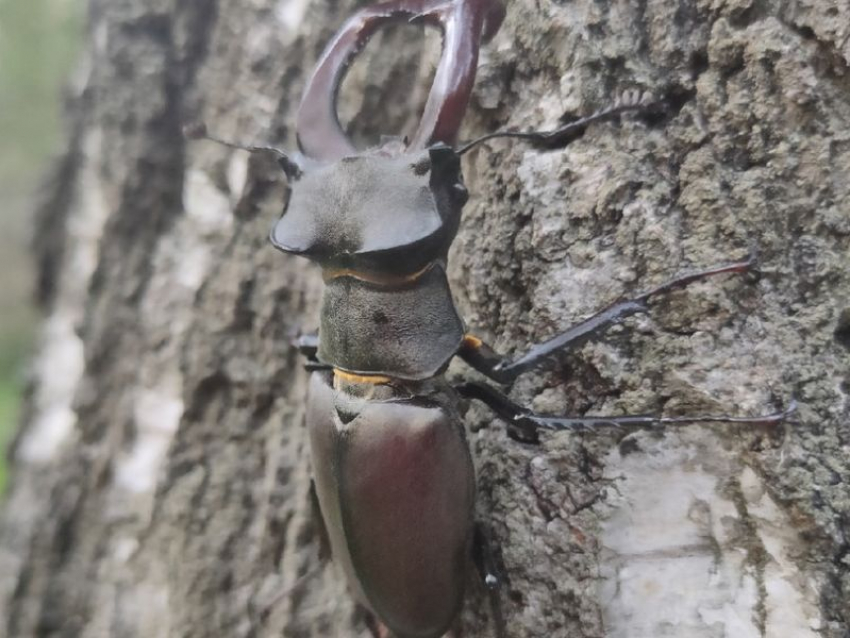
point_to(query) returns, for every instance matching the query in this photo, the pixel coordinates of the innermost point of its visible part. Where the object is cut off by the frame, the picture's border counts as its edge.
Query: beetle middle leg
(524, 425)
(504, 370)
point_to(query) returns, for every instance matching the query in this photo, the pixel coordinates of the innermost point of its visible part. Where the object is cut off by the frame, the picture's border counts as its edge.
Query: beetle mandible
(393, 472)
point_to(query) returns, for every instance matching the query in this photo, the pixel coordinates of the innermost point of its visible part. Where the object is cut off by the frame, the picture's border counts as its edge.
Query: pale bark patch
(61, 360)
(694, 545)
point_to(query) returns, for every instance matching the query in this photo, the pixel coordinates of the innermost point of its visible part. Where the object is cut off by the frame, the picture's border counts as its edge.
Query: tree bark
(160, 475)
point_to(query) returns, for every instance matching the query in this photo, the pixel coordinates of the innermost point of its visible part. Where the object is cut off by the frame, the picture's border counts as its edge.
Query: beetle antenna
(628, 101)
(198, 131)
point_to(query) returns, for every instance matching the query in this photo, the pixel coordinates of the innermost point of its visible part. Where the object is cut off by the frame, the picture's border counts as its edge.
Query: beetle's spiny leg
(484, 559)
(258, 612)
(650, 420)
(308, 345)
(485, 563)
(503, 370)
(524, 425)
(464, 23)
(313, 366)
(739, 267)
(630, 101)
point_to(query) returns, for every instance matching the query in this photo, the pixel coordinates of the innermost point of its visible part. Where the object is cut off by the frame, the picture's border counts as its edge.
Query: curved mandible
(463, 22)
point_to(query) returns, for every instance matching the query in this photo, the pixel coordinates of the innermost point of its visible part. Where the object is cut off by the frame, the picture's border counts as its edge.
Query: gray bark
(160, 483)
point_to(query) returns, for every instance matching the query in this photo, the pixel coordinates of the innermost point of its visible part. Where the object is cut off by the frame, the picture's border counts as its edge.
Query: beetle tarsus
(739, 267)
(503, 370)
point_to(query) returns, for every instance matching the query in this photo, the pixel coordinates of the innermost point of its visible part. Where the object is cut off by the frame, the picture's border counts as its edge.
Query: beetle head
(395, 208)
(380, 211)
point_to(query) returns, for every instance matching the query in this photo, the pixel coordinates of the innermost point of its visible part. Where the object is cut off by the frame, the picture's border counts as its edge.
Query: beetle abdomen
(396, 487)
(407, 333)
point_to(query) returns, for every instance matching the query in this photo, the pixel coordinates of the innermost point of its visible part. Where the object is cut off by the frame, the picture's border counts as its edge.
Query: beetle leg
(308, 345)
(524, 425)
(503, 370)
(321, 530)
(464, 23)
(258, 612)
(630, 101)
(485, 564)
(375, 626)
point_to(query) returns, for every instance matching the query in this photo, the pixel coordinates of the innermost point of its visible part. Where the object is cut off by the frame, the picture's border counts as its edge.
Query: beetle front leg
(504, 370)
(524, 425)
(308, 346)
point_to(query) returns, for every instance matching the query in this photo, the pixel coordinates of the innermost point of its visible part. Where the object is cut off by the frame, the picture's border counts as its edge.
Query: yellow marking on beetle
(375, 379)
(471, 341)
(377, 279)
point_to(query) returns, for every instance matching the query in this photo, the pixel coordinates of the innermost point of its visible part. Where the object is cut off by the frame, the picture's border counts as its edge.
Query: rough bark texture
(160, 481)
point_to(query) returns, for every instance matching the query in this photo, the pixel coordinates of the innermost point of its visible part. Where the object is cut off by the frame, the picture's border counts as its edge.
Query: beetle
(392, 468)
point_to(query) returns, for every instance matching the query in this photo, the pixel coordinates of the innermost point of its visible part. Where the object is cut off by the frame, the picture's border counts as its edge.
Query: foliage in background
(38, 44)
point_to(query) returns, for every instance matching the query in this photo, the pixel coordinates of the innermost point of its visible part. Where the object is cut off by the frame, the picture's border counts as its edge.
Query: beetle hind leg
(524, 425)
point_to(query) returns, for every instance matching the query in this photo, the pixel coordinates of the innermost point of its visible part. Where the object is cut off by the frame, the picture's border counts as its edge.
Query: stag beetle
(393, 472)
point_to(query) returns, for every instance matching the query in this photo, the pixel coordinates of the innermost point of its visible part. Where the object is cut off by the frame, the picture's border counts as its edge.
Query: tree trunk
(160, 476)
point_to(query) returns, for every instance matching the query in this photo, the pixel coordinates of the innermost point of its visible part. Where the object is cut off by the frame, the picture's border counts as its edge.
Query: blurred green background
(39, 41)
